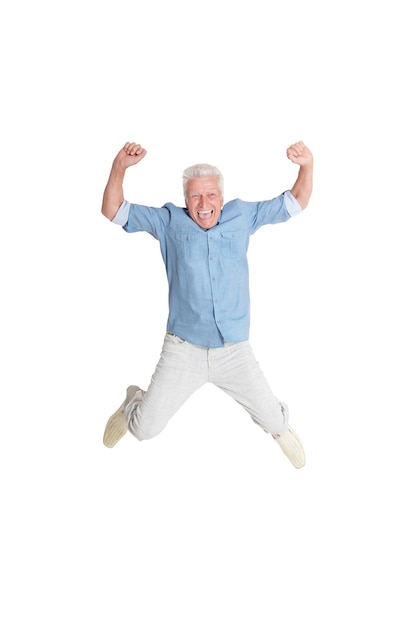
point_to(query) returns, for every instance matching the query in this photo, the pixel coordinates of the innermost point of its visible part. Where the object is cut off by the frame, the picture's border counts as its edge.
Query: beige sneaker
(116, 427)
(292, 447)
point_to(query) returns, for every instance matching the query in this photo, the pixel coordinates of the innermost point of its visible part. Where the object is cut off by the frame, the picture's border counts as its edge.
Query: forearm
(303, 186)
(113, 193)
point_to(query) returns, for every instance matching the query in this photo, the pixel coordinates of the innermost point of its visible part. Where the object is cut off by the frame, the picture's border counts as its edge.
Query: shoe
(116, 427)
(292, 447)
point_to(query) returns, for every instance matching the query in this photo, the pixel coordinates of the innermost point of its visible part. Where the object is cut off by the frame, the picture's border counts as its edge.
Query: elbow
(302, 199)
(303, 202)
(106, 213)
(109, 211)
(302, 196)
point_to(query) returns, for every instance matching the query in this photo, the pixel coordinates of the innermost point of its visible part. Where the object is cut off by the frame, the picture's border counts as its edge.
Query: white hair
(202, 169)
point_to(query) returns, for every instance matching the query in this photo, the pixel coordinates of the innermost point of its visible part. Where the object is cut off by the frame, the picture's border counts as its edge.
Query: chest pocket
(233, 244)
(191, 246)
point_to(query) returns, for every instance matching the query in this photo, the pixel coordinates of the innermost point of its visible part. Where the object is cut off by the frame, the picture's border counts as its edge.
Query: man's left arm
(299, 154)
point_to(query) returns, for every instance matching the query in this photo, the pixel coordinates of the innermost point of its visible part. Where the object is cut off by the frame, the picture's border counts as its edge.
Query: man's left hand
(299, 154)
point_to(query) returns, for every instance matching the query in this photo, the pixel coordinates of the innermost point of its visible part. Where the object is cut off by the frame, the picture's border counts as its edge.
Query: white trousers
(184, 367)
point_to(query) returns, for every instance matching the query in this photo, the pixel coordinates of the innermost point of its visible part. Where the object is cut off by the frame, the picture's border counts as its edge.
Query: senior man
(204, 248)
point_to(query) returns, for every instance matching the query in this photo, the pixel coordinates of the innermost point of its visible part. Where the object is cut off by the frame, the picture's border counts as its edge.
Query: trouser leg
(235, 370)
(181, 370)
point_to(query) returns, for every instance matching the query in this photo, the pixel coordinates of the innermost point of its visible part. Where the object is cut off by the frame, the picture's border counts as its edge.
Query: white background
(209, 523)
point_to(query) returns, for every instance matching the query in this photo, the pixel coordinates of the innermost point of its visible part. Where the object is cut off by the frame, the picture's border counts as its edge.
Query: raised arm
(130, 154)
(299, 154)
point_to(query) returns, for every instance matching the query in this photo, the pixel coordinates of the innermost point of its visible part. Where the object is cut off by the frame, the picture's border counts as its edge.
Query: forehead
(203, 184)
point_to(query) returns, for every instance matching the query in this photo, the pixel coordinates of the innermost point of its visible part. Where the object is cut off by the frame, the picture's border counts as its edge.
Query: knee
(141, 434)
(145, 426)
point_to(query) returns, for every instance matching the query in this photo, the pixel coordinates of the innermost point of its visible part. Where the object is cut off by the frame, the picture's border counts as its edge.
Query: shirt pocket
(191, 246)
(233, 244)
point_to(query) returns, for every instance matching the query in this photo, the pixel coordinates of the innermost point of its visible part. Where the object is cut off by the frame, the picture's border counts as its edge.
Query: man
(204, 249)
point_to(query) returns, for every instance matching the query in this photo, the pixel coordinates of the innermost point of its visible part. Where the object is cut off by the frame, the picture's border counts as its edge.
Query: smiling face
(204, 200)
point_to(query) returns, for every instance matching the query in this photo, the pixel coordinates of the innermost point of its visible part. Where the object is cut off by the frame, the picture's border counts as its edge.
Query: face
(204, 200)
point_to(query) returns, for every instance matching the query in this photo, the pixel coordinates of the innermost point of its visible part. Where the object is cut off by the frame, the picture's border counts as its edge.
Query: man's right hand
(130, 154)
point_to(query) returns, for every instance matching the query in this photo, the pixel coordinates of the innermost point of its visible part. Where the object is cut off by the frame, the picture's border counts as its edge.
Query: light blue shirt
(207, 270)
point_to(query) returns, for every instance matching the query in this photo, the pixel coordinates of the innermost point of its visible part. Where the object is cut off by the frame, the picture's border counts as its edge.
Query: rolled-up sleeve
(291, 204)
(122, 215)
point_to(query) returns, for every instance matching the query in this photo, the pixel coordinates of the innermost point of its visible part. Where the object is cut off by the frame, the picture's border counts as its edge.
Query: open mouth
(204, 215)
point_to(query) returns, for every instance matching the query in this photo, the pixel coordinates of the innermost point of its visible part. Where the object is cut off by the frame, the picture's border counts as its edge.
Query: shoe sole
(293, 449)
(115, 429)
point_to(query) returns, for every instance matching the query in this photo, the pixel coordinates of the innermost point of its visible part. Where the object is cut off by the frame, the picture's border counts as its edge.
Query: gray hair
(202, 169)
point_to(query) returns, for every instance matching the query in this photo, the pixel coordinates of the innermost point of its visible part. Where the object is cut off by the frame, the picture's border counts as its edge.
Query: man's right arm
(113, 195)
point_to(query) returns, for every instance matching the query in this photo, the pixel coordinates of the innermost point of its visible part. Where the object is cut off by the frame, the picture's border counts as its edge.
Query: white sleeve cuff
(291, 204)
(122, 214)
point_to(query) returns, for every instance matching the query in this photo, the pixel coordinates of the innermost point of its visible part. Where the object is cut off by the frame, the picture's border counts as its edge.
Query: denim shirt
(207, 270)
